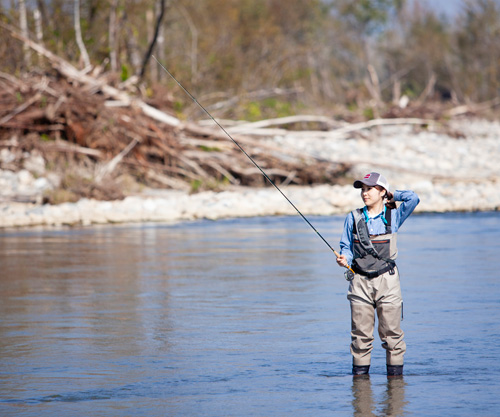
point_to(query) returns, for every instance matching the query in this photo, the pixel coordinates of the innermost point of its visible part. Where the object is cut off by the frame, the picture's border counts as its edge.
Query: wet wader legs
(389, 330)
(362, 324)
(383, 294)
(391, 335)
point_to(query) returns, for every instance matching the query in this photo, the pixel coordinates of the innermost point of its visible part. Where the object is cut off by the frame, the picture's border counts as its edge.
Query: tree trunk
(78, 34)
(113, 38)
(150, 18)
(161, 52)
(153, 41)
(194, 43)
(37, 16)
(23, 23)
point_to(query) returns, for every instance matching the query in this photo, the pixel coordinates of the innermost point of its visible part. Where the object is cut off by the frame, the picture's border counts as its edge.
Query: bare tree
(161, 51)
(152, 44)
(194, 42)
(150, 30)
(23, 23)
(42, 8)
(37, 16)
(78, 34)
(113, 38)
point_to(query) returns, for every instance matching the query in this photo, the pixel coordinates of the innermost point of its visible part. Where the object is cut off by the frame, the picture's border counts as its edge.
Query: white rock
(25, 178)
(6, 156)
(42, 184)
(35, 163)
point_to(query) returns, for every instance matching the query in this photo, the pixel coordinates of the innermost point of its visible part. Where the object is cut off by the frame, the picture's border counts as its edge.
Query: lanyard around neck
(365, 212)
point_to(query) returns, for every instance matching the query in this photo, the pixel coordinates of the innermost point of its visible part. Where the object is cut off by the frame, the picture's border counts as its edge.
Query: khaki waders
(383, 295)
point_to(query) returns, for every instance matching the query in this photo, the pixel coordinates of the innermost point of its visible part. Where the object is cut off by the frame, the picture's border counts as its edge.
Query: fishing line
(248, 156)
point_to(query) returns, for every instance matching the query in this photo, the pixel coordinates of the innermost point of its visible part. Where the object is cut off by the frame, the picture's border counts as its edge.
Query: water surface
(244, 317)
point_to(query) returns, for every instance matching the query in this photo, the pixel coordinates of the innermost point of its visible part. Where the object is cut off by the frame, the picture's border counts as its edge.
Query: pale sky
(448, 7)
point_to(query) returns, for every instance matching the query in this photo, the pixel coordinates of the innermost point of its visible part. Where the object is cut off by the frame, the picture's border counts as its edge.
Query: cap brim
(359, 184)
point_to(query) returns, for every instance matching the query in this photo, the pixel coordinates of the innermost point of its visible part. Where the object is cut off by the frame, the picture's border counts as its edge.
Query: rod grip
(338, 256)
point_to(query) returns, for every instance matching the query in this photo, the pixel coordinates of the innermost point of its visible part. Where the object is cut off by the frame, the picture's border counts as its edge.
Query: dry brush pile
(99, 145)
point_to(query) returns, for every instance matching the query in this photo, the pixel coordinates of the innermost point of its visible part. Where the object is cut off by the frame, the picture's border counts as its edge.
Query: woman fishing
(368, 244)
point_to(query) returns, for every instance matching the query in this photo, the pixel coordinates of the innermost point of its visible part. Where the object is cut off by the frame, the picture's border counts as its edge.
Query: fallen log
(111, 165)
(250, 127)
(69, 71)
(32, 127)
(167, 181)
(20, 108)
(63, 146)
(58, 146)
(473, 108)
(336, 133)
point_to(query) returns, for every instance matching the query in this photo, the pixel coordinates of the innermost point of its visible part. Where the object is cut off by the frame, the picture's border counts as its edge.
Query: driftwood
(76, 123)
(59, 146)
(111, 165)
(254, 129)
(21, 108)
(69, 71)
(167, 181)
(301, 119)
(63, 146)
(473, 108)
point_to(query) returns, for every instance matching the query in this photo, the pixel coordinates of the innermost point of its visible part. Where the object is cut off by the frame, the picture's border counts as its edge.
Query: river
(241, 317)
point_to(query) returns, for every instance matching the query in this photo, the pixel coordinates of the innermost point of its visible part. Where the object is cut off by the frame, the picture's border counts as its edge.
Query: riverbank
(456, 171)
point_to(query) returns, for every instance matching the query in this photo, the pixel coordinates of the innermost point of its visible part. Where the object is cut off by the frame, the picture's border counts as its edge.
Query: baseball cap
(372, 179)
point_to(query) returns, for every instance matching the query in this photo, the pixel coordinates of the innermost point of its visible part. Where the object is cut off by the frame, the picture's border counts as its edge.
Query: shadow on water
(241, 317)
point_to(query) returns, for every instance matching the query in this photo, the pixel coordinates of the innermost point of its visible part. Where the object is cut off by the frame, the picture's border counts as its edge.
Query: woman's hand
(342, 261)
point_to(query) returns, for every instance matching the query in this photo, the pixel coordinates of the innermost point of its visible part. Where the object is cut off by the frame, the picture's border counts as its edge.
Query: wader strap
(388, 218)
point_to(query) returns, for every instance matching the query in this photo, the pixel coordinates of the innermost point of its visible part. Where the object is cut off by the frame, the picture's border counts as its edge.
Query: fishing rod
(249, 157)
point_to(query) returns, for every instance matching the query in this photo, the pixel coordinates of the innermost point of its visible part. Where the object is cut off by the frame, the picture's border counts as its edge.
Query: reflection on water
(364, 402)
(240, 317)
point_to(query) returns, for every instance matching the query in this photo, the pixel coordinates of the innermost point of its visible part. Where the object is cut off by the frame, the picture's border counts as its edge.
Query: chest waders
(373, 255)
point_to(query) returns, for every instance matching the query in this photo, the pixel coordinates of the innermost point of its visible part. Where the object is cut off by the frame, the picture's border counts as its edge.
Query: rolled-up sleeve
(409, 200)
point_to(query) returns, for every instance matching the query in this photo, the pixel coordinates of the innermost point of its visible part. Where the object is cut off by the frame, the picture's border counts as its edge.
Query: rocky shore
(457, 171)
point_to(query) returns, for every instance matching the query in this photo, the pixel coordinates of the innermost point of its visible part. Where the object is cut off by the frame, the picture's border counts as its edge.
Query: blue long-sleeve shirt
(376, 225)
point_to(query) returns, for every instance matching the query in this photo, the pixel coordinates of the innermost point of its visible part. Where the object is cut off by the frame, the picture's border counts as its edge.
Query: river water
(244, 317)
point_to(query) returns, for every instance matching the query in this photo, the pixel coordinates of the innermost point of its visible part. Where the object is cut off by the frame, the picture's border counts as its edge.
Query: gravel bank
(448, 173)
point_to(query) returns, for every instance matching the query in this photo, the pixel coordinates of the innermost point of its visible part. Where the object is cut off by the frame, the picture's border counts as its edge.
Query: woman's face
(372, 195)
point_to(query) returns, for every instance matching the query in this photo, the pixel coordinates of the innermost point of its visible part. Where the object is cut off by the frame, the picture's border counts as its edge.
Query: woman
(368, 245)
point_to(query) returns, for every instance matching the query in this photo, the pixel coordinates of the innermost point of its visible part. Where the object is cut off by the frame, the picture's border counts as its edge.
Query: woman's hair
(390, 203)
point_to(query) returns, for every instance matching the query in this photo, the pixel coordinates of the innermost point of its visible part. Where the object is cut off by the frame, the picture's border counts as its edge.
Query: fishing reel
(349, 275)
